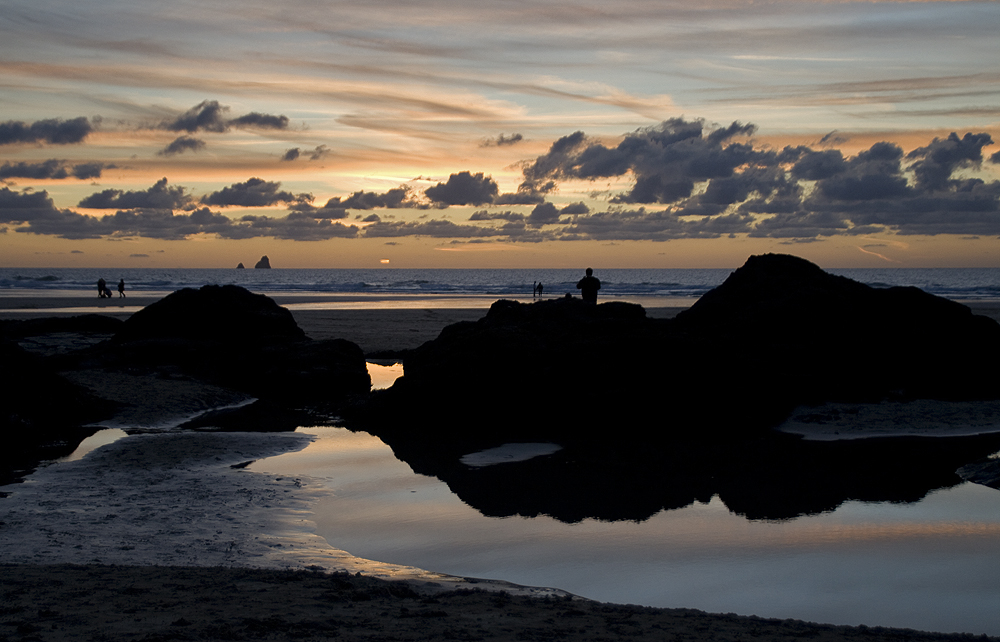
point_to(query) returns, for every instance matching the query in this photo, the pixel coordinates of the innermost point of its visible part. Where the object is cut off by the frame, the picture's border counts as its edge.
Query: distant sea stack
(240, 266)
(263, 263)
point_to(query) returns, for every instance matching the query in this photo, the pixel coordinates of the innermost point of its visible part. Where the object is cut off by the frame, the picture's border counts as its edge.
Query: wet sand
(168, 536)
(174, 603)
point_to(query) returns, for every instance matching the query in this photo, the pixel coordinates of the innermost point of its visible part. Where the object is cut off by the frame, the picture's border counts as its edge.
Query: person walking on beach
(121, 288)
(588, 286)
(539, 289)
(102, 285)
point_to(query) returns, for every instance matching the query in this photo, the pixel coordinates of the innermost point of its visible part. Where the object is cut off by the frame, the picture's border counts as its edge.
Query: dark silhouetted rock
(225, 313)
(242, 340)
(263, 263)
(42, 415)
(778, 333)
(824, 337)
(240, 266)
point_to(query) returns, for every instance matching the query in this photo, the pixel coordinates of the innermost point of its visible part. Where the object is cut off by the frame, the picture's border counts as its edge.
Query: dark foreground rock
(778, 333)
(232, 337)
(243, 344)
(213, 313)
(828, 337)
(42, 414)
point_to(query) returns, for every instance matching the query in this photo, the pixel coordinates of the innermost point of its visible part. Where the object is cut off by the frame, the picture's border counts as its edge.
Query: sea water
(931, 565)
(954, 283)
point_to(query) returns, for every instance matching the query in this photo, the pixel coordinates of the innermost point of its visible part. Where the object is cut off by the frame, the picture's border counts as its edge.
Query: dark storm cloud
(326, 211)
(255, 192)
(316, 154)
(807, 225)
(941, 158)
(666, 160)
(543, 214)
(297, 226)
(210, 116)
(464, 188)
(663, 225)
(434, 228)
(52, 169)
(182, 144)
(520, 197)
(797, 193)
(502, 140)
(395, 198)
(813, 166)
(319, 153)
(253, 120)
(159, 196)
(871, 193)
(548, 214)
(85, 171)
(55, 131)
(38, 216)
(486, 215)
(17, 207)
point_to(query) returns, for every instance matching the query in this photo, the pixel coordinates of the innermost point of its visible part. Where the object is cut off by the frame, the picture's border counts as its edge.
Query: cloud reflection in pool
(929, 565)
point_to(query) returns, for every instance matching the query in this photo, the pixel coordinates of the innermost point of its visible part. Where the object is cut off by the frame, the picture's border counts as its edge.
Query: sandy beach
(166, 534)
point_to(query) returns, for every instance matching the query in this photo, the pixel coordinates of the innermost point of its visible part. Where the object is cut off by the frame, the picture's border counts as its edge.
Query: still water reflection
(929, 565)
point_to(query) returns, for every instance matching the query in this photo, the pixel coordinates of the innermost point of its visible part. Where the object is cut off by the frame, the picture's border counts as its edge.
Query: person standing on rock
(588, 286)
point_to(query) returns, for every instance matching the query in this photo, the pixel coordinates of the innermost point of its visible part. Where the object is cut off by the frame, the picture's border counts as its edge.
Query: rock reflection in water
(772, 476)
(929, 564)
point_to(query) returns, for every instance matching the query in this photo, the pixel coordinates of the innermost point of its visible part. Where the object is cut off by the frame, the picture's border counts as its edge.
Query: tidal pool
(930, 565)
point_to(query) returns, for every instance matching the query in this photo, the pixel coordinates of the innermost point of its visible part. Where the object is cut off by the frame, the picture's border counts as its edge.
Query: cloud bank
(685, 179)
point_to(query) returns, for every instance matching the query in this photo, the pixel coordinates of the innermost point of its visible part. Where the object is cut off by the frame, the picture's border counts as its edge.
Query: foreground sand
(176, 603)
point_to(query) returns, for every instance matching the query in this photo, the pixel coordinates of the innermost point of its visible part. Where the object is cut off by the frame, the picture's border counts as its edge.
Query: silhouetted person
(102, 287)
(539, 289)
(121, 288)
(588, 286)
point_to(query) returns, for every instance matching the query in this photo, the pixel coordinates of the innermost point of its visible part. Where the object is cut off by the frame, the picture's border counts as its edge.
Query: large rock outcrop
(828, 337)
(217, 313)
(42, 413)
(656, 414)
(778, 333)
(228, 335)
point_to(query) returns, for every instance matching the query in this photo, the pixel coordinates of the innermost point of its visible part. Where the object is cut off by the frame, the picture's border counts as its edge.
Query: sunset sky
(501, 134)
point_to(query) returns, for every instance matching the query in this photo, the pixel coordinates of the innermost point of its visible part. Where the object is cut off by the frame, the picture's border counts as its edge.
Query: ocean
(666, 285)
